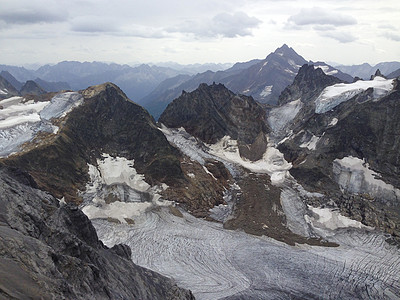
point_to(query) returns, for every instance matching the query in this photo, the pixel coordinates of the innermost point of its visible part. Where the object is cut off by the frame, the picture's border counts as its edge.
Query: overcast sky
(197, 31)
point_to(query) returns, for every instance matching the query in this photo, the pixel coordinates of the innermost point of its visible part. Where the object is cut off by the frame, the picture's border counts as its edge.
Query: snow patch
(333, 122)
(354, 175)
(272, 162)
(118, 192)
(120, 170)
(327, 218)
(325, 69)
(20, 121)
(3, 92)
(311, 144)
(333, 95)
(266, 91)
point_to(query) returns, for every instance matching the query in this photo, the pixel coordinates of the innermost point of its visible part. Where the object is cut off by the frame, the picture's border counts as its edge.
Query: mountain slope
(32, 88)
(345, 133)
(212, 112)
(7, 89)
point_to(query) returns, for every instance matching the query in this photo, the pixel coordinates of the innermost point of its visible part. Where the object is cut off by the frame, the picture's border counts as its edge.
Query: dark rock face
(307, 85)
(107, 122)
(50, 251)
(32, 88)
(365, 129)
(212, 112)
(8, 90)
(11, 79)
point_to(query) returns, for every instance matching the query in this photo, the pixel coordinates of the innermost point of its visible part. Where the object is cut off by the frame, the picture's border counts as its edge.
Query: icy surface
(353, 175)
(280, 117)
(216, 263)
(333, 95)
(117, 191)
(20, 121)
(60, 105)
(220, 264)
(331, 219)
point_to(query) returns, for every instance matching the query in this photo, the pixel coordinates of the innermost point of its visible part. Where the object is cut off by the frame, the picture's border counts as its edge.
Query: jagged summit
(285, 50)
(212, 112)
(307, 85)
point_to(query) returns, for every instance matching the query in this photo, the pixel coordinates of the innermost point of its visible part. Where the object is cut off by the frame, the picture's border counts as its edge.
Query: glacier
(216, 263)
(21, 120)
(333, 95)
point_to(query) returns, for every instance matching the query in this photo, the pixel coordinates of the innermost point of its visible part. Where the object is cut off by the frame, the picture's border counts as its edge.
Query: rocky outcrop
(307, 85)
(32, 88)
(212, 112)
(7, 89)
(51, 251)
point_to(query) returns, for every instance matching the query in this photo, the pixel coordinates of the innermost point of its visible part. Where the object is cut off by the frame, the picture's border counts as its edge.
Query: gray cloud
(320, 16)
(224, 25)
(27, 13)
(94, 24)
(392, 36)
(342, 37)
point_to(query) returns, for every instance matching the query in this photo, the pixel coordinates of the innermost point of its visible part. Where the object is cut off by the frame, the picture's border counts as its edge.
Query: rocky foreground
(51, 251)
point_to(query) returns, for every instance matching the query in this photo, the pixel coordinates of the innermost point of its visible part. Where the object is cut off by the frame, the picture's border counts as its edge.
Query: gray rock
(50, 251)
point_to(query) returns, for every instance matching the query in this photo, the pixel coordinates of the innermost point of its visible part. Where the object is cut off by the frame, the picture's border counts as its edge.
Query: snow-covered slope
(332, 96)
(21, 120)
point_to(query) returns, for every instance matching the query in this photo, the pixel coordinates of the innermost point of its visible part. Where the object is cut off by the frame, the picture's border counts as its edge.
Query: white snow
(116, 210)
(355, 176)
(311, 144)
(266, 91)
(120, 170)
(117, 177)
(333, 95)
(272, 162)
(280, 117)
(20, 121)
(333, 122)
(191, 175)
(3, 92)
(327, 218)
(325, 69)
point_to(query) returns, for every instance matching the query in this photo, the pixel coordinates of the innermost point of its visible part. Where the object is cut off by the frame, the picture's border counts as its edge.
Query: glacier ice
(21, 120)
(354, 175)
(333, 95)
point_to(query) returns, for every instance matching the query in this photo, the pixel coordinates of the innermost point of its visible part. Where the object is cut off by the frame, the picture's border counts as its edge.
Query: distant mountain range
(365, 70)
(264, 80)
(154, 86)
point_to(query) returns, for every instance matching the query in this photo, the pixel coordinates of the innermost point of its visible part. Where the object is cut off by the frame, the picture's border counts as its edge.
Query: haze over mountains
(155, 86)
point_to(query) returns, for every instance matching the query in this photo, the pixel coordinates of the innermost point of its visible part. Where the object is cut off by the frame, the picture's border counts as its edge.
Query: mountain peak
(308, 83)
(285, 50)
(95, 90)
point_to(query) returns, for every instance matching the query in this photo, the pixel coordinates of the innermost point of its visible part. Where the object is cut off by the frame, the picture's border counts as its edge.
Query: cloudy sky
(197, 31)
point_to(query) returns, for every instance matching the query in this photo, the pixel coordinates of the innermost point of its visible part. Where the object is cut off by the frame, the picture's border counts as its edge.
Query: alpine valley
(276, 178)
